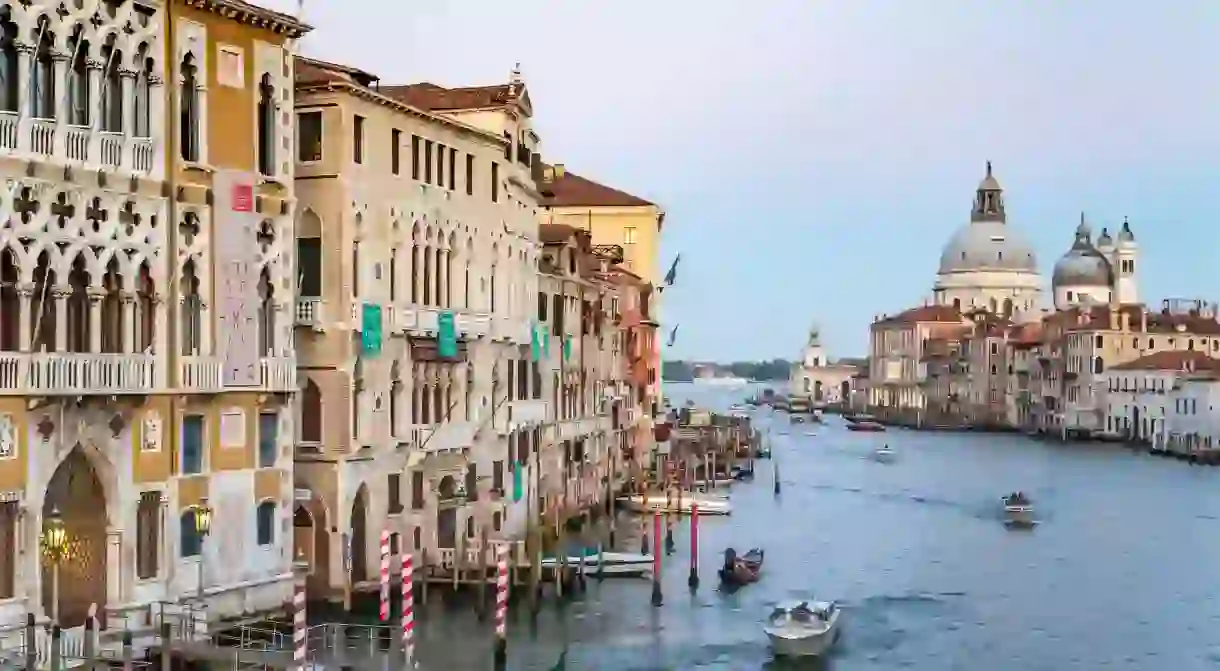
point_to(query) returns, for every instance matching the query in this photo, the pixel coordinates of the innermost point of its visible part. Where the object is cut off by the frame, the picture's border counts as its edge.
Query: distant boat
(865, 426)
(860, 417)
(708, 504)
(722, 381)
(884, 454)
(742, 570)
(625, 564)
(1018, 510)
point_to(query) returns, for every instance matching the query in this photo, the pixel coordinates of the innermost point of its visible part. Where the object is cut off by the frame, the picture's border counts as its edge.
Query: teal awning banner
(370, 329)
(567, 347)
(518, 481)
(447, 337)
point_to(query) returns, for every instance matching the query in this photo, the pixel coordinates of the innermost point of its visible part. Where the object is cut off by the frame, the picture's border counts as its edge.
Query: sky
(813, 157)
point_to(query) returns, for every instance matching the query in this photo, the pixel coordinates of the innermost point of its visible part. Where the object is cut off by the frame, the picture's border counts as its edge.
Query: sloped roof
(572, 190)
(1184, 360)
(925, 313)
(429, 96)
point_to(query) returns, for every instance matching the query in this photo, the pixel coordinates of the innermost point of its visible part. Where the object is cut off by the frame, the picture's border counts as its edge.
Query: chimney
(1143, 320)
(557, 171)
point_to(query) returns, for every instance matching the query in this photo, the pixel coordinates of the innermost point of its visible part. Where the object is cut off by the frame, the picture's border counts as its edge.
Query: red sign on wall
(243, 198)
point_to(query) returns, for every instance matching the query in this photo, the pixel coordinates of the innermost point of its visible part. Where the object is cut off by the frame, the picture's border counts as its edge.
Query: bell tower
(815, 354)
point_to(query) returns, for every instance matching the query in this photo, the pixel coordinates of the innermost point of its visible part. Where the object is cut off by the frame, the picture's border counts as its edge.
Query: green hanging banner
(540, 344)
(447, 338)
(567, 347)
(370, 329)
(518, 482)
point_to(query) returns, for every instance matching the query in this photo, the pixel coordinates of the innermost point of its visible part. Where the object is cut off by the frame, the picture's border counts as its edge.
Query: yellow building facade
(146, 357)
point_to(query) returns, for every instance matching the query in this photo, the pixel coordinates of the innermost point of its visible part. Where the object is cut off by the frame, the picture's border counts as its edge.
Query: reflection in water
(917, 553)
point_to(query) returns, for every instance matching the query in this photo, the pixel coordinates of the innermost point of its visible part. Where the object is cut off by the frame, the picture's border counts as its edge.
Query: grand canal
(1122, 573)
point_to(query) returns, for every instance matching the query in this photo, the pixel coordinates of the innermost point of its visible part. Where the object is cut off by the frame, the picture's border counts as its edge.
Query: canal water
(1122, 573)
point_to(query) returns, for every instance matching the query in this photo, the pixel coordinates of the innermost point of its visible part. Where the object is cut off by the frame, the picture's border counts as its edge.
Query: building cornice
(251, 15)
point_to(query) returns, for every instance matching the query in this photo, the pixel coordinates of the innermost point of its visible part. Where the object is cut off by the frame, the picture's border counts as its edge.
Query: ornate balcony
(310, 312)
(200, 374)
(72, 373)
(278, 374)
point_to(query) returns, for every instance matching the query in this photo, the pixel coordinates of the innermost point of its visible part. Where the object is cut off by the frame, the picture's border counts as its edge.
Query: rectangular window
(427, 161)
(394, 490)
(629, 235)
(472, 482)
(495, 182)
(264, 523)
(417, 490)
(8, 549)
(452, 169)
(536, 387)
(469, 175)
(192, 444)
(541, 306)
(557, 315)
(440, 165)
(358, 139)
(148, 535)
(497, 475)
(309, 267)
(523, 379)
(414, 157)
(309, 137)
(268, 438)
(395, 147)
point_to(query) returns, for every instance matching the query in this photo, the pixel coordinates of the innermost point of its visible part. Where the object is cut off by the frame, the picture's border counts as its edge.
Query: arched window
(265, 523)
(10, 76)
(266, 126)
(78, 81)
(189, 123)
(112, 94)
(143, 95)
(43, 84)
(190, 543)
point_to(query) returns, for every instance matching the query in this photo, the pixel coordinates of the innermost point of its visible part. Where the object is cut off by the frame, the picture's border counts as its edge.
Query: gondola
(741, 570)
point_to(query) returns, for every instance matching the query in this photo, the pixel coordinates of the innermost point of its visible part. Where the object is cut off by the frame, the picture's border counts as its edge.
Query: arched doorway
(311, 540)
(817, 391)
(446, 513)
(844, 392)
(360, 536)
(76, 493)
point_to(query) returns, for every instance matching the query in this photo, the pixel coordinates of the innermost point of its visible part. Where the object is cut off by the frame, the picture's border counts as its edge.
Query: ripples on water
(1122, 573)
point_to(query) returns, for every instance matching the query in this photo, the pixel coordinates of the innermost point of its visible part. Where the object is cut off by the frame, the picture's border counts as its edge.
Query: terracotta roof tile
(572, 190)
(435, 98)
(551, 234)
(925, 313)
(1192, 360)
(313, 71)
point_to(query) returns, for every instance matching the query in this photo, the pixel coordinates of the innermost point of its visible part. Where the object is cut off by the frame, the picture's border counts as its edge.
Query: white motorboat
(884, 454)
(1018, 510)
(803, 629)
(708, 504)
(624, 564)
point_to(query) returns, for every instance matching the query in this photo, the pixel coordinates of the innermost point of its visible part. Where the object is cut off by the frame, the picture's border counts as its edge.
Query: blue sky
(814, 156)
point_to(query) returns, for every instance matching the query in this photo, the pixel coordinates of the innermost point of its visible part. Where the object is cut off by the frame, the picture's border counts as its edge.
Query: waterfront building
(143, 375)
(416, 247)
(1164, 399)
(637, 345)
(615, 218)
(1091, 274)
(897, 371)
(987, 263)
(579, 350)
(818, 378)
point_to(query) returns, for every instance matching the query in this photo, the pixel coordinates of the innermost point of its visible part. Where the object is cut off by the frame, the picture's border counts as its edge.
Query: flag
(673, 335)
(518, 484)
(673, 271)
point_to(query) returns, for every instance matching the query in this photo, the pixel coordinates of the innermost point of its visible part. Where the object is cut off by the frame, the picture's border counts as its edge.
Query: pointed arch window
(112, 94)
(78, 81)
(189, 112)
(143, 95)
(42, 90)
(266, 126)
(9, 71)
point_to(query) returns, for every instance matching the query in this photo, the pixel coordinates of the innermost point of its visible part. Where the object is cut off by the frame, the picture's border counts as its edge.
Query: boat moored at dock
(659, 503)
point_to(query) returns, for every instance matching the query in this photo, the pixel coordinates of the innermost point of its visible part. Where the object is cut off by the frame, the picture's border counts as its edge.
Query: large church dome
(1083, 265)
(987, 243)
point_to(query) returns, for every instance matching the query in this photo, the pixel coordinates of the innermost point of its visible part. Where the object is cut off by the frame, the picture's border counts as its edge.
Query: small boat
(803, 629)
(884, 454)
(624, 564)
(866, 425)
(652, 503)
(741, 570)
(1018, 510)
(797, 419)
(763, 452)
(859, 417)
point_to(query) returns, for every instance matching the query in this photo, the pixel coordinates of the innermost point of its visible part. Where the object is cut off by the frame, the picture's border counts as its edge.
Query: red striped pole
(300, 623)
(408, 607)
(501, 652)
(385, 576)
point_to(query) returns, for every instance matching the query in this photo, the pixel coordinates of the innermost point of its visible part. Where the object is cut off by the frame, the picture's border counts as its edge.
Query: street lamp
(55, 545)
(203, 525)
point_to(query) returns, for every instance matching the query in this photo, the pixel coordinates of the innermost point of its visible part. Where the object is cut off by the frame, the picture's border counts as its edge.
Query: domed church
(988, 264)
(1093, 273)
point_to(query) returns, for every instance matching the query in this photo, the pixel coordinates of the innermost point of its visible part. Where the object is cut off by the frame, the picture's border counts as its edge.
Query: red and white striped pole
(300, 624)
(385, 577)
(500, 658)
(408, 607)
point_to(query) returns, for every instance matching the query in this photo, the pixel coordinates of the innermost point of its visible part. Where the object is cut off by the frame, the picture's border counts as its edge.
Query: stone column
(160, 343)
(59, 65)
(129, 322)
(61, 295)
(25, 298)
(93, 73)
(114, 566)
(25, 104)
(438, 263)
(96, 294)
